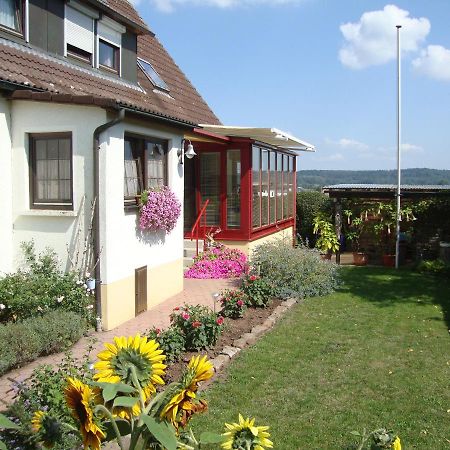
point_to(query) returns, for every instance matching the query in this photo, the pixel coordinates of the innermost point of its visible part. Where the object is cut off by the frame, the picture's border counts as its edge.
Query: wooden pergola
(377, 192)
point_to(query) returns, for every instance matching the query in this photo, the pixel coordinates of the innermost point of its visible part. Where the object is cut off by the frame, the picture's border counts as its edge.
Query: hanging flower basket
(159, 210)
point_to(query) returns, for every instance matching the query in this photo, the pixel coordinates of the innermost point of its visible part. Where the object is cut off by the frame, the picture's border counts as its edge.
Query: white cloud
(411, 148)
(372, 40)
(348, 144)
(434, 62)
(168, 6)
(333, 157)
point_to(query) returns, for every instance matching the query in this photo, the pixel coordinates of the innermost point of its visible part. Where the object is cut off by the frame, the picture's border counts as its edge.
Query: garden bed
(234, 329)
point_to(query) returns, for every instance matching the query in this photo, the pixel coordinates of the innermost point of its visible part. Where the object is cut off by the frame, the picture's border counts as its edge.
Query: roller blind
(79, 30)
(108, 33)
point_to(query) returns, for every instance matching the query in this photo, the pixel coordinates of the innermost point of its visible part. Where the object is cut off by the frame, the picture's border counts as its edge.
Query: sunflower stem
(135, 436)
(69, 427)
(108, 414)
(138, 386)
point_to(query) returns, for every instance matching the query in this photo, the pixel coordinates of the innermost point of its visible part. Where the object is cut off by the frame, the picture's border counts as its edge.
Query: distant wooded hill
(313, 179)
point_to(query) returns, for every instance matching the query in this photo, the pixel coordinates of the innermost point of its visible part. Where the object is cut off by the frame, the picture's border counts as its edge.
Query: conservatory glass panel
(285, 187)
(265, 187)
(210, 185)
(279, 186)
(273, 187)
(233, 189)
(256, 187)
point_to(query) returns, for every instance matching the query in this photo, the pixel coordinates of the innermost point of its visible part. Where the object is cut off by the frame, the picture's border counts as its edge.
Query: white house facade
(88, 120)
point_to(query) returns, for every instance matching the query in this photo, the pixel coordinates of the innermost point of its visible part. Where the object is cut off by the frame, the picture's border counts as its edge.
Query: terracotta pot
(389, 260)
(360, 259)
(326, 256)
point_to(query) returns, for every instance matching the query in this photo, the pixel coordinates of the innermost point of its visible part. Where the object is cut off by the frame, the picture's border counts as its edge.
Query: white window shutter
(79, 30)
(111, 31)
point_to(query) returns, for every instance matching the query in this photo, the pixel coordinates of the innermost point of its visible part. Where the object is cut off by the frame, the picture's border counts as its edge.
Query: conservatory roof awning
(270, 136)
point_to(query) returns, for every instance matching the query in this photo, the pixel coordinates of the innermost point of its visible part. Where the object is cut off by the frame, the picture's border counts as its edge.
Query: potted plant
(357, 227)
(327, 241)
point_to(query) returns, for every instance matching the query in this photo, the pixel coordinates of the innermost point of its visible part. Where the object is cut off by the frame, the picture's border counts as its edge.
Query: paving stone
(230, 351)
(290, 302)
(269, 322)
(219, 361)
(259, 329)
(240, 343)
(250, 338)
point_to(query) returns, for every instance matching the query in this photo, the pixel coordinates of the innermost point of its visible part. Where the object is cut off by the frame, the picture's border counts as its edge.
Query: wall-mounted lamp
(190, 153)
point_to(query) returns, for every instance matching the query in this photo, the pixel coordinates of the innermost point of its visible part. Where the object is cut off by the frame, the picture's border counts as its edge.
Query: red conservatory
(241, 185)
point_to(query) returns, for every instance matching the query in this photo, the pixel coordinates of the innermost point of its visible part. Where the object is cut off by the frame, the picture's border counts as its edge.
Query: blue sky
(323, 70)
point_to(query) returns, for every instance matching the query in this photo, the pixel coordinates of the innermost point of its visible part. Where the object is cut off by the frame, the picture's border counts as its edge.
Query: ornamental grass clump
(160, 210)
(294, 271)
(218, 262)
(123, 402)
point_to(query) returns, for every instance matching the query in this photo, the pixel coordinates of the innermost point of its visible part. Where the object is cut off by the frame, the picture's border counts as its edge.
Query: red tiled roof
(124, 9)
(37, 70)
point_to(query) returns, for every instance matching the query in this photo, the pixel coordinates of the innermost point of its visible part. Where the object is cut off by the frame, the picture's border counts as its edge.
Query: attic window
(152, 75)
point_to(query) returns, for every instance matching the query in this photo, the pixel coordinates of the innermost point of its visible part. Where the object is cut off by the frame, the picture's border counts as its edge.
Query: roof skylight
(152, 74)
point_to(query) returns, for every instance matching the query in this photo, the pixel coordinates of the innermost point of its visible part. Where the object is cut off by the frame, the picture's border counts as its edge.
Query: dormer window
(109, 44)
(108, 56)
(11, 14)
(79, 35)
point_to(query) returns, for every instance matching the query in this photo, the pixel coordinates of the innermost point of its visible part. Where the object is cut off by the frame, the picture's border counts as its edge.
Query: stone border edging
(248, 339)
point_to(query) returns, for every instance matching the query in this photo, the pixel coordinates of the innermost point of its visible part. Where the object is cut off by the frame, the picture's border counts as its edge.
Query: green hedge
(22, 342)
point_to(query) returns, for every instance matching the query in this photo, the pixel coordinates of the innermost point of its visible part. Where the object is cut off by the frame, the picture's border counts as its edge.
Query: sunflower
(183, 403)
(46, 427)
(115, 363)
(80, 398)
(246, 436)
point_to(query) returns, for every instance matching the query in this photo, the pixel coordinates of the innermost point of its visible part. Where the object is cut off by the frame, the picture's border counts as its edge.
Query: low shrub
(201, 327)
(234, 303)
(25, 341)
(259, 291)
(171, 341)
(42, 287)
(218, 262)
(435, 267)
(294, 271)
(44, 391)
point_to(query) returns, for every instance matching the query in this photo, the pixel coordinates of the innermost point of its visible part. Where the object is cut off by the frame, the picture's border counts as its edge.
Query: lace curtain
(8, 16)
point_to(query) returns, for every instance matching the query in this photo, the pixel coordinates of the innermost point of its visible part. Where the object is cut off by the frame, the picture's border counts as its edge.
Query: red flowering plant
(200, 326)
(259, 291)
(159, 210)
(218, 261)
(234, 303)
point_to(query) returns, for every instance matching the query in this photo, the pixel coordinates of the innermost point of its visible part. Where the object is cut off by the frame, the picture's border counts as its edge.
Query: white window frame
(91, 13)
(114, 28)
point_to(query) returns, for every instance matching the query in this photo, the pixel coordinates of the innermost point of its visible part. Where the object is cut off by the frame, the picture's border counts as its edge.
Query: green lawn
(376, 353)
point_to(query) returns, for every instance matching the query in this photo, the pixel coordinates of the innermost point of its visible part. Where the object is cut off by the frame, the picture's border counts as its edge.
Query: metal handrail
(196, 226)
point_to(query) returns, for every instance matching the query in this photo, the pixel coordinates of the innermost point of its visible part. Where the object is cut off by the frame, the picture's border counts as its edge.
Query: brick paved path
(195, 292)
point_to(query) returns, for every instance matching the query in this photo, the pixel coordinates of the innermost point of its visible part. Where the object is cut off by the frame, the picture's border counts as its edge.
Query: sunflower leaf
(127, 402)
(110, 390)
(211, 438)
(123, 426)
(164, 433)
(6, 423)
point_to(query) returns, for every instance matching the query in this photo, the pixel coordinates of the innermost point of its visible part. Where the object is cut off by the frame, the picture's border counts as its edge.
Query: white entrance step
(190, 251)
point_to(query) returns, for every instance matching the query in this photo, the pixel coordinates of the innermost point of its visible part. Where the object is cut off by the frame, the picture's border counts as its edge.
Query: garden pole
(398, 218)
